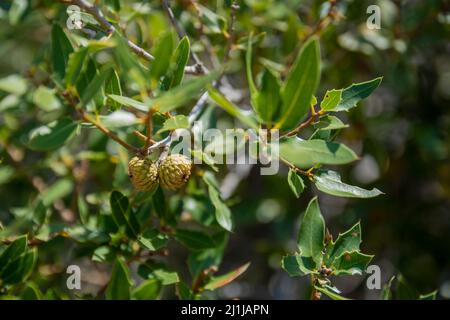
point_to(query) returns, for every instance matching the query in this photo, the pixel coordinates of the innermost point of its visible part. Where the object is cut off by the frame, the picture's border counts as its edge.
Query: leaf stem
(307, 173)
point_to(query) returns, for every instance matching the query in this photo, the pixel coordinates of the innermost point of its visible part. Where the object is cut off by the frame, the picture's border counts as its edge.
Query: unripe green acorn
(174, 171)
(143, 173)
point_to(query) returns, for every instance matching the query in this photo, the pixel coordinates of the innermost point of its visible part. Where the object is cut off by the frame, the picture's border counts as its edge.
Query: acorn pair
(172, 172)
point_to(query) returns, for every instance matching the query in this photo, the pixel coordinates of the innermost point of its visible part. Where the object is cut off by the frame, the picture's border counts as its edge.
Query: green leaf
(14, 84)
(182, 94)
(87, 74)
(17, 10)
(355, 93)
(312, 233)
(129, 62)
(428, 296)
(20, 269)
(45, 99)
(129, 102)
(268, 98)
(223, 280)
(330, 123)
(386, 293)
(308, 153)
(103, 254)
(331, 99)
(52, 136)
(148, 290)
(404, 290)
(162, 52)
(204, 158)
(300, 86)
(119, 119)
(158, 271)
(119, 286)
(180, 59)
(194, 240)
(330, 293)
(123, 215)
(232, 109)
(56, 191)
(233, 140)
(6, 174)
(212, 22)
(351, 263)
(348, 241)
(13, 252)
(298, 265)
(201, 260)
(75, 66)
(330, 182)
(61, 50)
(184, 292)
(171, 99)
(112, 86)
(175, 122)
(31, 292)
(95, 86)
(295, 183)
(223, 213)
(153, 240)
(160, 206)
(251, 83)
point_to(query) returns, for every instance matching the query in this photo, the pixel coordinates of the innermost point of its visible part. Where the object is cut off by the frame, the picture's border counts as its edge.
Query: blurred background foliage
(402, 130)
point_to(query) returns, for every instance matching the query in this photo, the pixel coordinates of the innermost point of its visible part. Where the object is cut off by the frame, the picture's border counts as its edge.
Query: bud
(174, 171)
(143, 173)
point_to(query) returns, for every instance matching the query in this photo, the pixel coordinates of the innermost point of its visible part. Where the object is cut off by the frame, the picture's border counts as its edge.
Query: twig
(311, 120)
(106, 131)
(302, 125)
(160, 144)
(307, 173)
(198, 282)
(315, 295)
(230, 33)
(110, 29)
(325, 20)
(143, 137)
(319, 27)
(198, 107)
(182, 33)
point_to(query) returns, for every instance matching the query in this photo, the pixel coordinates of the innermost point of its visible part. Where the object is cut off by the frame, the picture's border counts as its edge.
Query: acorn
(143, 173)
(174, 171)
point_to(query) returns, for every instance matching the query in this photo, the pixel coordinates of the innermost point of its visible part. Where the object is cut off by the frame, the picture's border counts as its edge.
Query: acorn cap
(174, 171)
(143, 173)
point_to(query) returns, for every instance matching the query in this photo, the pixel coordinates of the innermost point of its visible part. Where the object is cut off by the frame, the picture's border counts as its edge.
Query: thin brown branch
(230, 32)
(315, 295)
(198, 282)
(321, 25)
(98, 15)
(143, 137)
(300, 127)
(325, 21)
(106, 131)
(307, 173)
(182, 33)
